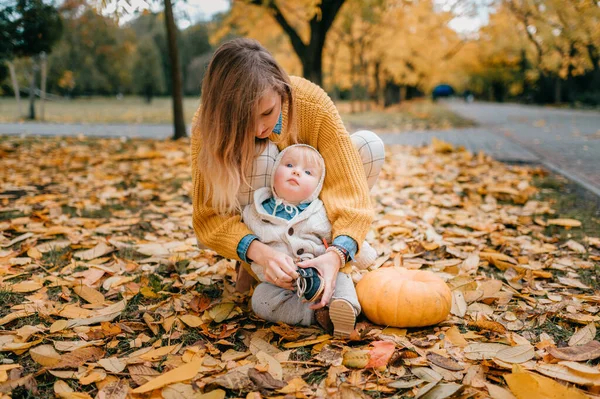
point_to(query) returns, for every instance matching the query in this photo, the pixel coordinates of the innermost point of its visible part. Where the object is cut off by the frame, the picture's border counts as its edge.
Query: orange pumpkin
(398, 297)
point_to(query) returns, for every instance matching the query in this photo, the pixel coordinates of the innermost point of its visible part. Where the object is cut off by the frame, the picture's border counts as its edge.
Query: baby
(290, 217)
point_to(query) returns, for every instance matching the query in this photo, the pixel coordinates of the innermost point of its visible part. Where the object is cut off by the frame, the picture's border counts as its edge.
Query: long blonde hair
(239, 74)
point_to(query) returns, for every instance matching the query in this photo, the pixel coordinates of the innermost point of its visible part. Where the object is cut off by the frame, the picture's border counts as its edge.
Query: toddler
(291, 218)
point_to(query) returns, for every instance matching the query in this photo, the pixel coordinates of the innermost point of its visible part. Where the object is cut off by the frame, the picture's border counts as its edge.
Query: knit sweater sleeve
(345, 191)
(221, 233)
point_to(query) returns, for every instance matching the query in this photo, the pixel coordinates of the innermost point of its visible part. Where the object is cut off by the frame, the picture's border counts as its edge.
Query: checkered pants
(368, 144)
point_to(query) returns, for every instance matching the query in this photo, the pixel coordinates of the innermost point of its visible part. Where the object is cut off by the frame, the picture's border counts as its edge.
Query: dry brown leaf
(114, 390)
(141, 374)
(488, 325)
(78, 357)
(589, 351)
(444, 362)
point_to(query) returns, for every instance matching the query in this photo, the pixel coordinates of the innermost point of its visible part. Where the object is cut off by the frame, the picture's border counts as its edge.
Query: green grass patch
(569, 200)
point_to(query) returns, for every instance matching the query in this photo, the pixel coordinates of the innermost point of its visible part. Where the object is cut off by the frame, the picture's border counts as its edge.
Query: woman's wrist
(337, 259)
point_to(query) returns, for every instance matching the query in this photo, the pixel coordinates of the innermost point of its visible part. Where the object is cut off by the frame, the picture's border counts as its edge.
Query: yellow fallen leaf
(191, 320)
(220, 311)
(88, 293)
(564, 222)
(398, 332)
(64, 391)
(454, 336)
(181, 373)
(59, 325)
(295, 385)
(356, 358)
(148, 292)
(307, 342)
(525, 385)
(45, 355)
(275, 368)
(157, 354)
(26, 286)
(93, 376)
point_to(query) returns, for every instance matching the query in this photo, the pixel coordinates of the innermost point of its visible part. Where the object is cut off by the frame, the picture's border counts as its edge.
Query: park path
(566, 141)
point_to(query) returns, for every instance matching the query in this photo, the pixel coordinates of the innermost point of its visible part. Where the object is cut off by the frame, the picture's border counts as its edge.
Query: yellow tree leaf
(45, 355)
(220, 311)
(88, 293)
(181, 373)
(526, 385)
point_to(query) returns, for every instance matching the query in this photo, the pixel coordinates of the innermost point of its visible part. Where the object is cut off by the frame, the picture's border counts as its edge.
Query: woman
(249, 102)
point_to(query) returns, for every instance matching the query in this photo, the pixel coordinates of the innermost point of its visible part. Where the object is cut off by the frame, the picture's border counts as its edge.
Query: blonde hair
(239, 74)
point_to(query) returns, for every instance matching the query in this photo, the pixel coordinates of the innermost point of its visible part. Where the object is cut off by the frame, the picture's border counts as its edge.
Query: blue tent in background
(442, 90)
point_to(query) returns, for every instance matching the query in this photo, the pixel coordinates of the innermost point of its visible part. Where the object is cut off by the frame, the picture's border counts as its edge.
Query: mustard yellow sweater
(345, 192)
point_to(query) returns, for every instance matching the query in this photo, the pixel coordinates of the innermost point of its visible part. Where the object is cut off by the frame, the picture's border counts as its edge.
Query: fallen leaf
(380, 354)
(443, 362)
(45, 355)
(516, 354)
(181, 373)
(579, 353)
(584, 335)
(88, 293)
(525, 385)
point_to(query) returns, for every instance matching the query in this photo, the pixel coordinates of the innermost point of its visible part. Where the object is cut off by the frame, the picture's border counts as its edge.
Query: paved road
(564, 140)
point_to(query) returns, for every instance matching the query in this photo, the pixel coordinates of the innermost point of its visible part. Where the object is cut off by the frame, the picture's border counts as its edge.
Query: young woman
(248, 104)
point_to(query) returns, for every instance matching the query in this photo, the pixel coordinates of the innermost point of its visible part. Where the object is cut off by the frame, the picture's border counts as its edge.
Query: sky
(191, 11)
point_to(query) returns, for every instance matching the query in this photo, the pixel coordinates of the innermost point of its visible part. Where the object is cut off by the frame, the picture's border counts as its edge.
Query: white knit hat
(317, 191)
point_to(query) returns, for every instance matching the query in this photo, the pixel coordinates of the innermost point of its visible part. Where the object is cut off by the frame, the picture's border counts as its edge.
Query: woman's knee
(371, 149)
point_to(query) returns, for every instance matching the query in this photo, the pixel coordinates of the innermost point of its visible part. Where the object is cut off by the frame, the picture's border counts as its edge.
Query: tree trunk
(44, 62)
(178, 119)
(32, 90)
(311, 55)
(557, 90)
(15, 84)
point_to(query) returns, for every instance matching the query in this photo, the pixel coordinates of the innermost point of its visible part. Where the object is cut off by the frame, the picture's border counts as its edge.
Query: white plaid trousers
(369, 146)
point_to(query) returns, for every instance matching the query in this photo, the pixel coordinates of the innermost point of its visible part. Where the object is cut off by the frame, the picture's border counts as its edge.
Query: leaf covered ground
(105, 294)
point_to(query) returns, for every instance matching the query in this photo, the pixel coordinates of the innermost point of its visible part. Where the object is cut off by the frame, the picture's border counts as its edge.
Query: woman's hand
(279, 267)
(328, 265)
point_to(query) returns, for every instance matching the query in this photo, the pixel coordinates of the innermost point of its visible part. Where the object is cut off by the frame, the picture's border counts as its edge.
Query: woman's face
(269, 108)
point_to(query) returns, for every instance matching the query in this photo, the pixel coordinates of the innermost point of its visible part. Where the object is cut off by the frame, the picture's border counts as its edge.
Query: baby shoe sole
(343, 318)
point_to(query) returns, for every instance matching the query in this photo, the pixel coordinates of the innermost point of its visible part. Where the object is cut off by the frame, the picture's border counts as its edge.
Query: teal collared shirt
(345, 242)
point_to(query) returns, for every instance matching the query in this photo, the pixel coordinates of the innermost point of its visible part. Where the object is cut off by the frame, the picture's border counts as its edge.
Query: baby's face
(297, 176)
